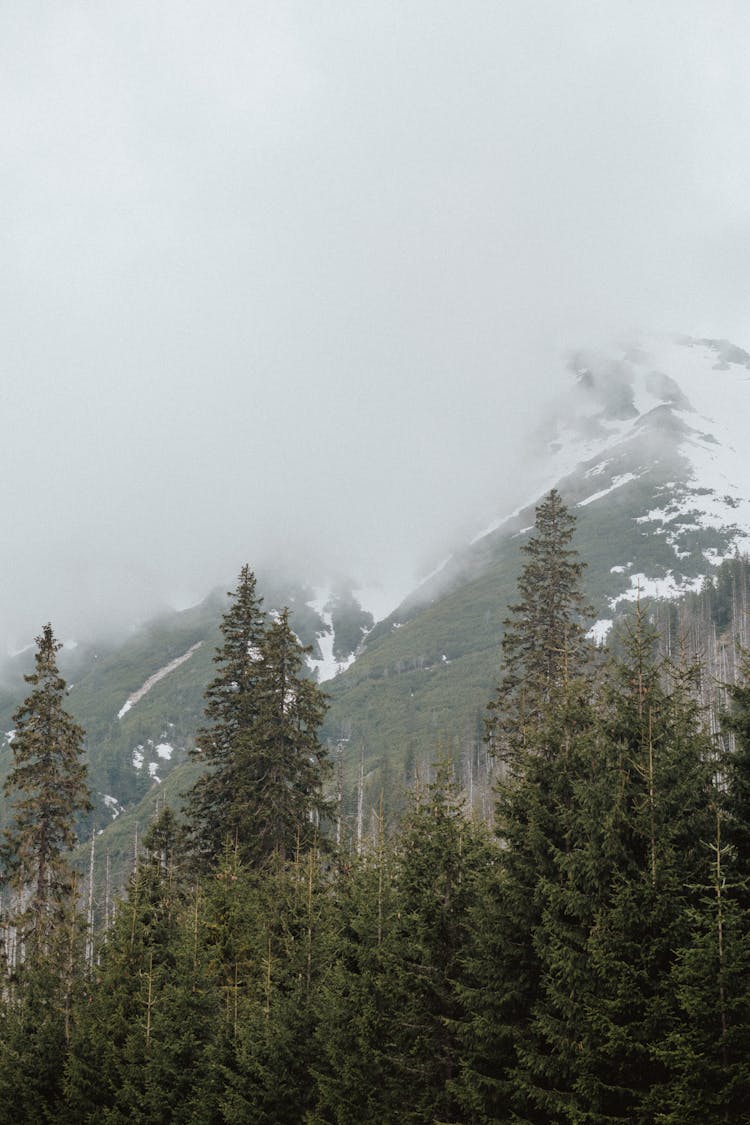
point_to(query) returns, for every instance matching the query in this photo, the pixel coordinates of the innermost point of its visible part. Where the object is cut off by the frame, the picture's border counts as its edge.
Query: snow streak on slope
(617, 482)
(162, 672)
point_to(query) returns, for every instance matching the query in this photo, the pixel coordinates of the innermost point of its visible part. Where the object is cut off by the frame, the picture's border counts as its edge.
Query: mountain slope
(647, 448)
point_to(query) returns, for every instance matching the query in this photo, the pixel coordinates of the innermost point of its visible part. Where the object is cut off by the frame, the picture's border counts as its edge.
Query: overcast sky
(291, 280)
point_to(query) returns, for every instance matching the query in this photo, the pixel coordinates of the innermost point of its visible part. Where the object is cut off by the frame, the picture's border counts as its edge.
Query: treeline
(587, 960)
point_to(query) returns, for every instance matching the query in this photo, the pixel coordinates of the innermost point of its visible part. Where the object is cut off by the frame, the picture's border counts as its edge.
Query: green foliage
(352, 1056)
(48, 787)
(263, 788)
(544, 643)
(387, 1048)
(32, 1046)
(708, 1048)
(591, 965)
(636, 858)
(270, 1079)
(440, 864)
(232, 706)
(147, 1015)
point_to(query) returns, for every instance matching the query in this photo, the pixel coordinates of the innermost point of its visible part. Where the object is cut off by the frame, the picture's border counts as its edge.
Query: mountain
(646, 446)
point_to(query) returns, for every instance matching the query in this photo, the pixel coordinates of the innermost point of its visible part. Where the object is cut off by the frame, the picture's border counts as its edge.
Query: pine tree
(231, 712)
(388, 1049)
(352, 1057)
(263, 789)
(538, 720)
(642, 862)
(270, 1078)
(440, 864)
(737, 766)
(544, 644)
(33, 1047)
(282, 761)
(47, 787)
(708, 1049)
(142, 1029)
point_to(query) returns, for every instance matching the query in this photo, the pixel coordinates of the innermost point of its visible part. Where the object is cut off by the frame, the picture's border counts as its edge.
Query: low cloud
(291, 284)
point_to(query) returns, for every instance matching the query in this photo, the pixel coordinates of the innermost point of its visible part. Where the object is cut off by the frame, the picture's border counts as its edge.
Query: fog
(291, 282)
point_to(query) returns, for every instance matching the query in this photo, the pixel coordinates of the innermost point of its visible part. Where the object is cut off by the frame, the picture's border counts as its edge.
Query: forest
(582, 955)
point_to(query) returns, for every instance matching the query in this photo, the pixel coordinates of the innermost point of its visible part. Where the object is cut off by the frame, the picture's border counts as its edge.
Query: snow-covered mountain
(648, 444)
(647, 448)
(662, 427)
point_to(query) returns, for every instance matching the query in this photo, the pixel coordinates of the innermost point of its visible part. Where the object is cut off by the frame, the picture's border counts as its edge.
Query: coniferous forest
(584, 958)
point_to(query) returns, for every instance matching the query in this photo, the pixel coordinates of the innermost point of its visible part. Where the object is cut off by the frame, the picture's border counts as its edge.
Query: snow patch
(599, 631)
(327, 666)
(617, 482)
(667, 587)
(112, 804)
(138, 757)
(598, 469)
(164, 750)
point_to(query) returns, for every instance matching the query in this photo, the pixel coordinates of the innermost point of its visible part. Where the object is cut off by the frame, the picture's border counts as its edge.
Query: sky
(289, 283)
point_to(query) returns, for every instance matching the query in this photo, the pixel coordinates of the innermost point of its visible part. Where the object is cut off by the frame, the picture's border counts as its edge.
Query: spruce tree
(33, 1047)
(269, 1079)
(391, 1006)
(737, 768)
(282, 761)
(707, 1050)
(441, 861)
(47, 787)
(352, 1058)
(544, 644)
(641, 861)
(538, 719)
(143, 1026)
(231, 712)
(266, 765)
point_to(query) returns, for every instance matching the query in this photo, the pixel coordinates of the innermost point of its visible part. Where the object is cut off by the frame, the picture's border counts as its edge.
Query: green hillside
(422, 678)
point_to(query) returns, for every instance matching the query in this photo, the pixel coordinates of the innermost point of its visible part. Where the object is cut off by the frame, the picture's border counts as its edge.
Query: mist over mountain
(286, 284)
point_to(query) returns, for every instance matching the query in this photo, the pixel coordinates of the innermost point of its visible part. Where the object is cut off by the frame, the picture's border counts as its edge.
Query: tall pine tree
(266, 765)
(47, 787)
(231, 712)
(539, 716)
(544, 644)
(283, 762)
